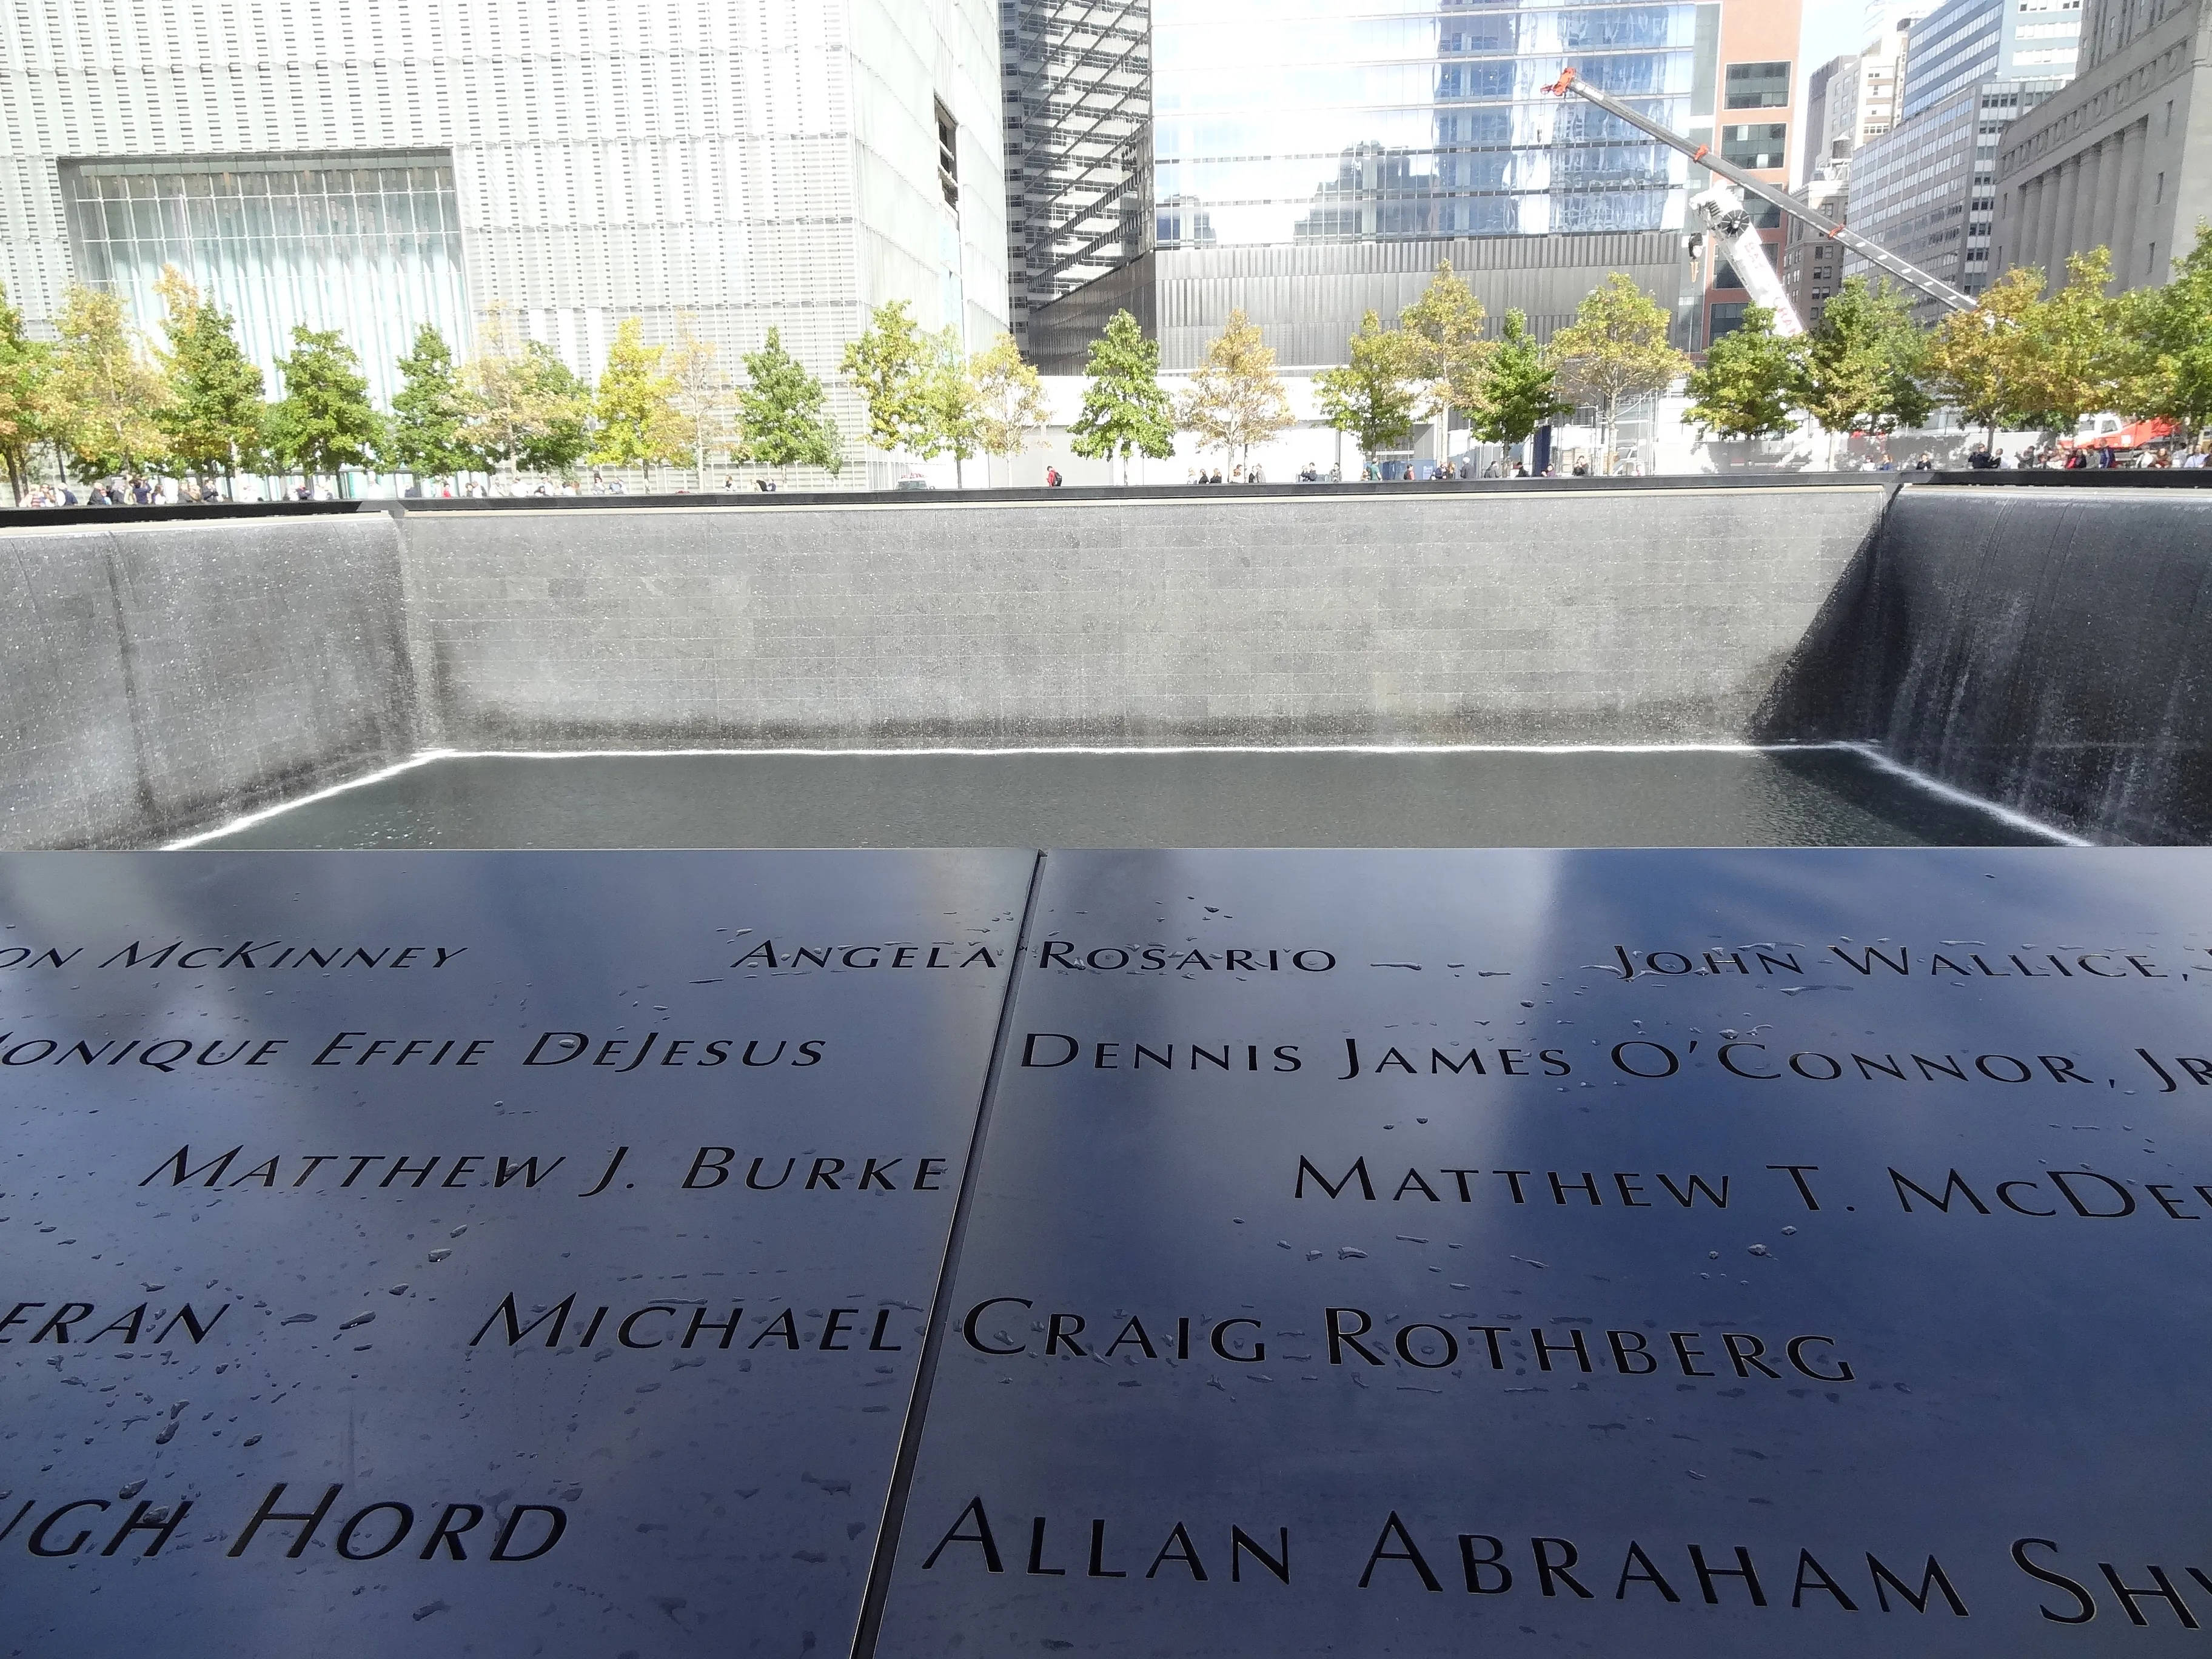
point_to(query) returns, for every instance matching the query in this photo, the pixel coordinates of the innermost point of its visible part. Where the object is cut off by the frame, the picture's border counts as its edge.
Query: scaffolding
(1078, 143)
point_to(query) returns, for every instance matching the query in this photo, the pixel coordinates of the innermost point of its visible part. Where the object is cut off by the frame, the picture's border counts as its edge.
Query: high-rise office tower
(1078, 88)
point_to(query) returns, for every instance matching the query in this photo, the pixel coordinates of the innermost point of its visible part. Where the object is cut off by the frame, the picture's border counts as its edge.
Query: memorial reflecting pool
(1204, 797)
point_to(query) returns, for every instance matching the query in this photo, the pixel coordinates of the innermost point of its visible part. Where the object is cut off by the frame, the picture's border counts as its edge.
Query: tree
(889, 363)
(2173, 380)
(28, 409)
(1449, 350)
(1616, 350)
(1236, 399)
(526, 408)
(1520, 392)
(954, 409)
(216, 415)
(324, 423)
(1009, 399)
(425, 434)
(1373, 398)
(700, 395)
(1863, 362)
(1747, 388)
(558, 432)
(637, 421)
(2081, 355)
(110, 397)
(1983, 360)
(782, 417)
(1125, 412)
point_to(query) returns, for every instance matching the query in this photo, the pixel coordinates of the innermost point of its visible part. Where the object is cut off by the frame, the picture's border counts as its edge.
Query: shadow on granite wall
(2047, 650)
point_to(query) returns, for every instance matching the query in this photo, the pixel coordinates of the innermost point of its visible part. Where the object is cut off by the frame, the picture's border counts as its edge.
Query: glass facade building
(1078, 110)
(1967, 42)
(1298, 121)
(284, 241)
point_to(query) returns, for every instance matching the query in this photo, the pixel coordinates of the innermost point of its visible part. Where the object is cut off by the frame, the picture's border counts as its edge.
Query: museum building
(380, 165)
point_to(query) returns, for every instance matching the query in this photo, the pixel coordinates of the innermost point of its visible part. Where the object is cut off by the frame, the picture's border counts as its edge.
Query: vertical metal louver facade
(738, 165)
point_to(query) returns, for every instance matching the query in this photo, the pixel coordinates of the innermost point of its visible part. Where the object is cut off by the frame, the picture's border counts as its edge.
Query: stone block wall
(1544, 616)
(164, 676)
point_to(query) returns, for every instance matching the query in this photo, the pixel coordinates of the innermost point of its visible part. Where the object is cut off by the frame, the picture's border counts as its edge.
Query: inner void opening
(1746, 797)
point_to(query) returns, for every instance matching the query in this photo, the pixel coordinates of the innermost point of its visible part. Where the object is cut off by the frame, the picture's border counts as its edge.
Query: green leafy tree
(1747, 388)
(1373, 398)
(1236, 399)
(1520, 391)
(111, 399)
(527, 409)
(633, 409)
(783, 418)
(324, 424)
(1450, 350)
(2173, 326)
(216, 415)
(1616, 351)
(1125, 412)
(1864, 363)
(1983, 361)
(954, 408)
(890, 364)
(29, 411)
(2082, 350)
(1009, 402)
(426, 436)
(559, 431)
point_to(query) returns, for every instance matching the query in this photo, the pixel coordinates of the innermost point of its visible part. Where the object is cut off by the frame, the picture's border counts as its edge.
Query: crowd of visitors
(2072, 457)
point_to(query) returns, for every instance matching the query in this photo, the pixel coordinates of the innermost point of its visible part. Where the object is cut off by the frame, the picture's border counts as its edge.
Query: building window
(948, 156)
(366, 242)
(1763, 145)
(1727, 318)
(1758, 86)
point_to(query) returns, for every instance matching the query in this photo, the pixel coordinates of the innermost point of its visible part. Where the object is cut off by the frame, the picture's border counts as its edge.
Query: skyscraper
(738, 165)
(1078, 104)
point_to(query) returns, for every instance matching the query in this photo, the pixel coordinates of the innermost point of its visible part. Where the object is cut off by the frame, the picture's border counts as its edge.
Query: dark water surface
(1482, 798)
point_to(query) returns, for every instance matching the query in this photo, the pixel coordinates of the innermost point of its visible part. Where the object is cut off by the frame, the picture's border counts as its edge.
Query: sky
(1831, 28)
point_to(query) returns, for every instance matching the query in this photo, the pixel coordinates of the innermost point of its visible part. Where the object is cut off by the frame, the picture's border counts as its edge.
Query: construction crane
(1733, 229)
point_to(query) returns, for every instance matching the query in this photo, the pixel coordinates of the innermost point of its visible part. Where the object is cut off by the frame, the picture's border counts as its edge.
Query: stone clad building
(2122, 157)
